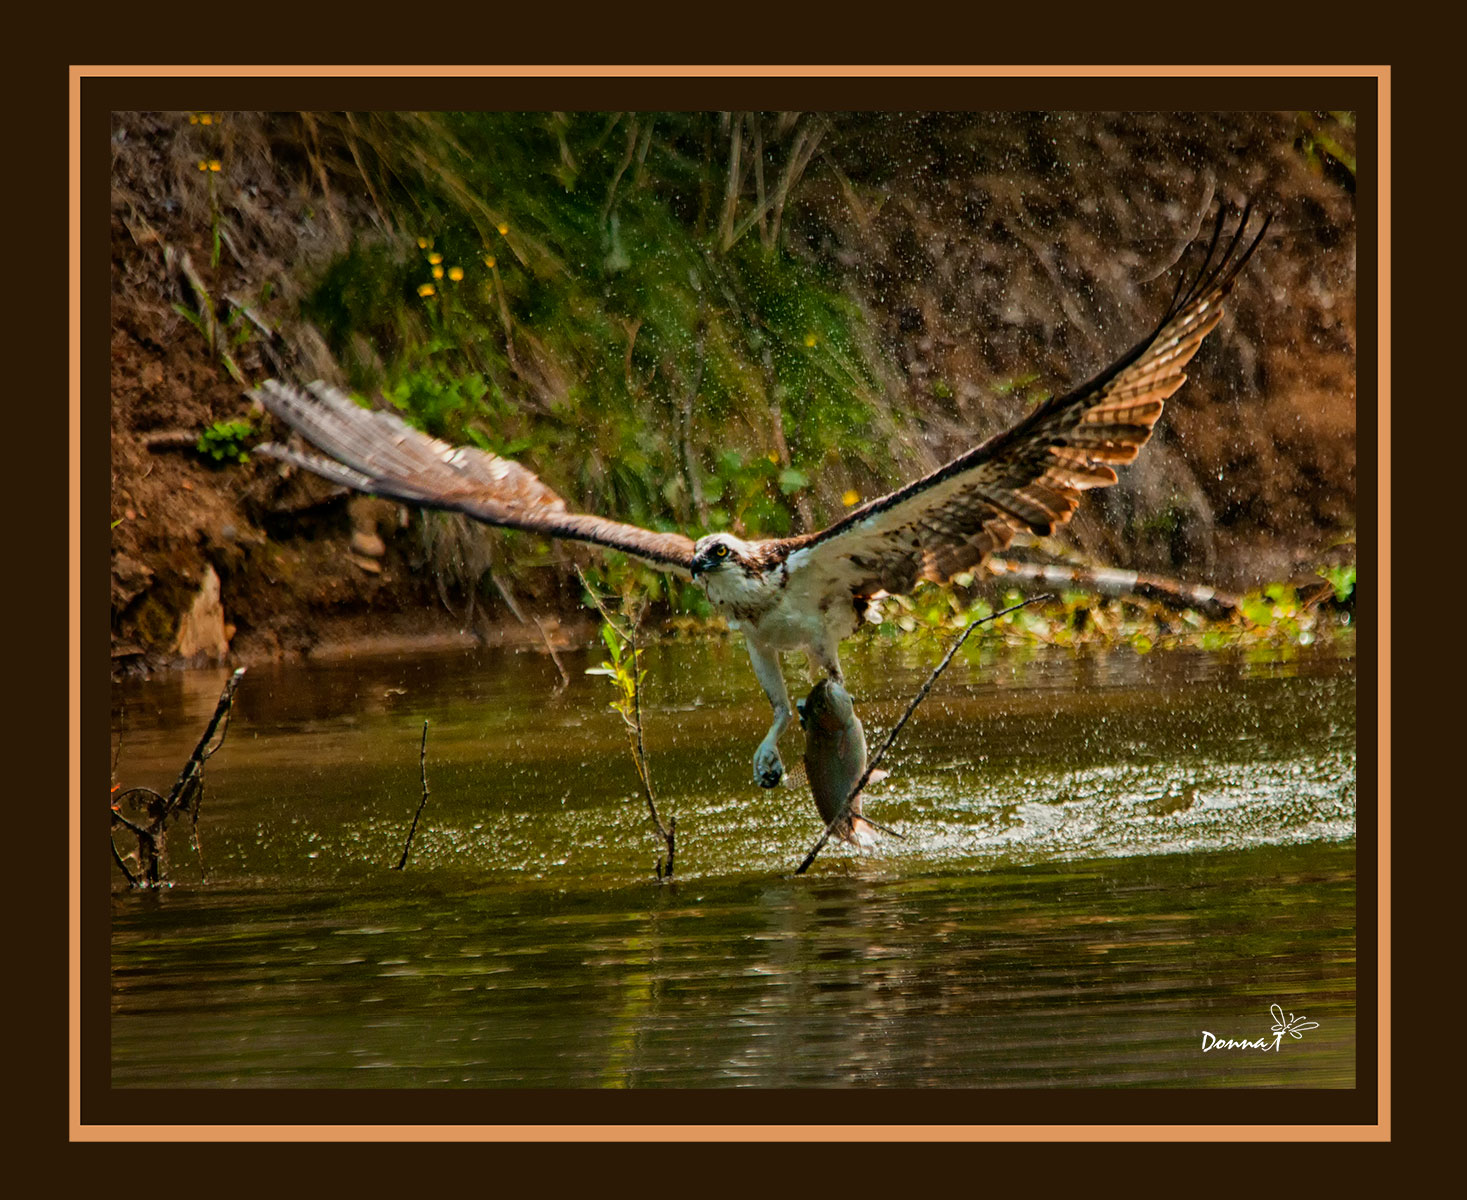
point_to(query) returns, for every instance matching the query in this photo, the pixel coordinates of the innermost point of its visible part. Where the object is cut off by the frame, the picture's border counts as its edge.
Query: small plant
(205, 319)
(224, 441)
(1327, 141)
(624, 669)
(1343, 580)
(624, 676)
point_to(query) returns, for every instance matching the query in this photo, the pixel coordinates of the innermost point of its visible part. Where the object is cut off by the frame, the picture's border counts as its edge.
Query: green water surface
(1105, 856)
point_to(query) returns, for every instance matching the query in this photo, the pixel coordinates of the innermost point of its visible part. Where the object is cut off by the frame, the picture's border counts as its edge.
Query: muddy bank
(994, 258)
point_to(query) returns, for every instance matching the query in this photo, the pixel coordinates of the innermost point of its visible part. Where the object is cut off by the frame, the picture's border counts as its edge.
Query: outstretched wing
(1031, 476)
(380, 453)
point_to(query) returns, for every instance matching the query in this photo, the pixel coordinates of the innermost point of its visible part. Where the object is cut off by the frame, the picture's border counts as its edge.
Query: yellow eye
(720, 551)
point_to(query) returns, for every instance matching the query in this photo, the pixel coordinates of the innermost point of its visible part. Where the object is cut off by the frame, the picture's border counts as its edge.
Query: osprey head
(718, 551)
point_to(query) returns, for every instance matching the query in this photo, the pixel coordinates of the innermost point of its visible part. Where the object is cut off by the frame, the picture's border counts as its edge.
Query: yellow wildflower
(206, 119)
(851, 498)
(215, 165)
(455, 273)
(423, 243)
(489, 260)
(203, 166)
(437, 272)
(426, 290)
(435, 259)
(810, 339)
(503, 229)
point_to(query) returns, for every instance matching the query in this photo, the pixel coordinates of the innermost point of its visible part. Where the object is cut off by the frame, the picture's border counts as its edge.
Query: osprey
(809, 592)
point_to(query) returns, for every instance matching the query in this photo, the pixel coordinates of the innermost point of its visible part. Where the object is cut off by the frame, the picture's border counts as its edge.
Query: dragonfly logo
(1292, 1026)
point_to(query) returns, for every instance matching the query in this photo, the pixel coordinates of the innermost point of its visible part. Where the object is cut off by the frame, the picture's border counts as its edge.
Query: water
(1105, 856)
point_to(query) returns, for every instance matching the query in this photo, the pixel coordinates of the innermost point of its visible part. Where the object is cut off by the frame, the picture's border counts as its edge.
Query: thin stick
(668, 834)
(639, 753)
(897, 728)
(554, 657)
(119, 819)
(117, 858)
(187, 791)
(121, 733)
(194, 768)
(422, 770)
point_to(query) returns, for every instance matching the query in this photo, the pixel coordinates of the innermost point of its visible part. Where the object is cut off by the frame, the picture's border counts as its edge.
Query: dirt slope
(1020, 254)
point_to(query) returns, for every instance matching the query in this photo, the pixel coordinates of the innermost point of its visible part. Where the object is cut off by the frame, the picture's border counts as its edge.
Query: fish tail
(860, 833)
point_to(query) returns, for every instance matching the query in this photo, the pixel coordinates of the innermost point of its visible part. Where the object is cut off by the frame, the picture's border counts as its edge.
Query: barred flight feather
(1032, 475)
(1029, 477)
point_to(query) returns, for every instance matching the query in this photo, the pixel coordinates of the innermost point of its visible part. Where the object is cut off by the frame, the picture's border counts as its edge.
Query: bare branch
(554, 657)
(117, 858)
(194, 768)
(897, 728)
(186, 794)
(423, 771)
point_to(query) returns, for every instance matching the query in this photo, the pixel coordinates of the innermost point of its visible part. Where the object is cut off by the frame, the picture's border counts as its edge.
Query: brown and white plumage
(806, 593)
(380, 453)
(1031, 476)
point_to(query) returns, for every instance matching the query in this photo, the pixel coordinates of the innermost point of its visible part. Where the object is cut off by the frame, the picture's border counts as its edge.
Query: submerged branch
(897, 728)
(423, 771)
(554, 657)
(186, 795)
(630, 710)
(192, 774)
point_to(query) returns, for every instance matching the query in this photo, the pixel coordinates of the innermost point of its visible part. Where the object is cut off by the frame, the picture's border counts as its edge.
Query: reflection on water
(1104, 857)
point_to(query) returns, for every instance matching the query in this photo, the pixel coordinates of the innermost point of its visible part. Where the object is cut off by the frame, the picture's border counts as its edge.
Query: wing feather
(380, 453)
(1032, 475)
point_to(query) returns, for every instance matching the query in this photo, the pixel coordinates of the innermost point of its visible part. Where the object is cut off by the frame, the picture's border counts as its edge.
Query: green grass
(587, 294)
(588, 317)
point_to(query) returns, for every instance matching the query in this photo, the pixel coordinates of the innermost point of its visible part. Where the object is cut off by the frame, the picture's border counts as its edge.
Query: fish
(835, 758)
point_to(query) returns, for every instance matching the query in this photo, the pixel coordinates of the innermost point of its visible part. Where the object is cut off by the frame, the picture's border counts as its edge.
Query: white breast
(786, 611)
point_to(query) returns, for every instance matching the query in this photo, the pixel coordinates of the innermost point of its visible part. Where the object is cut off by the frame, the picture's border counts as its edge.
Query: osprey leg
(768, 767)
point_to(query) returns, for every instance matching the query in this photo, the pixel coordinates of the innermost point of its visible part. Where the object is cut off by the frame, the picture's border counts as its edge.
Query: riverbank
(906, 307)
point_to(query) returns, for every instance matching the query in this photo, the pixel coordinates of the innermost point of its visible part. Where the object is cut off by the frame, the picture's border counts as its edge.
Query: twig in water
(423, 771)
(121, 733)
(148, 855)
(193, 770)
(630, 684)
(117, 858)
(186, 794)
(554, 657)
(897, 728)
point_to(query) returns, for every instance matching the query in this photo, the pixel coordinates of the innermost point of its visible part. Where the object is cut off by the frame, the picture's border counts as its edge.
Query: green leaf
(613, 642)
(791, 481)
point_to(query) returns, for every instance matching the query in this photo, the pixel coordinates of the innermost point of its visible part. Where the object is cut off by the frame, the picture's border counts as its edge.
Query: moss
(154, 624)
